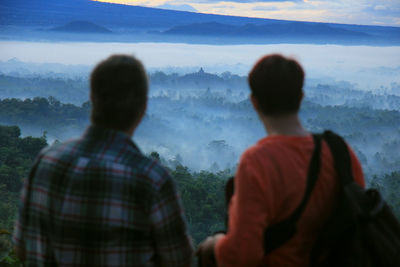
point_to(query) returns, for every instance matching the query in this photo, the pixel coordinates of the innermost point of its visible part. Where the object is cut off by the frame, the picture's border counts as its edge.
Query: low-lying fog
(370, 67)
(205, 121)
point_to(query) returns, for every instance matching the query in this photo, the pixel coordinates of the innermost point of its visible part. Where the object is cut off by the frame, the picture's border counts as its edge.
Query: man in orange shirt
(271, 178)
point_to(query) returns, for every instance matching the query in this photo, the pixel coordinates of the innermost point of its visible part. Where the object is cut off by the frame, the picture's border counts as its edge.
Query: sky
(365, 12)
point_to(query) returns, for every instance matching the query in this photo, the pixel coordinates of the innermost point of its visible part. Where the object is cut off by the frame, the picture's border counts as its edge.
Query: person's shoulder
(262, 148)
(54, 157)
(147, 168)
(58, 149)
(257, 154)
(277, 150)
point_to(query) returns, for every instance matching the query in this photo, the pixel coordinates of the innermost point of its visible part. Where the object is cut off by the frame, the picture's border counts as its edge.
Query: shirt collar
(284, 138)
(109, 135)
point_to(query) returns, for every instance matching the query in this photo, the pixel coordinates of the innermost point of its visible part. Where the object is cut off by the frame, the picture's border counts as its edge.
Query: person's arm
(205, 251)
(19, 229)
(243, 244)
(172, 242)
(22, 219)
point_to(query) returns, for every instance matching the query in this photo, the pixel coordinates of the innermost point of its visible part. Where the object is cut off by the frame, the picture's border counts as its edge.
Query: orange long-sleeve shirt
(269, 185)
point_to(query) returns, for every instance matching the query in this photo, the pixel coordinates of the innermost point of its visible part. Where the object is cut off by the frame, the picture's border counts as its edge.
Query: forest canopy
(197, 125)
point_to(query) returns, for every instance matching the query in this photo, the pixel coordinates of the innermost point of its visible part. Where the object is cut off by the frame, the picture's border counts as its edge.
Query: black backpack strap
(278, 234)
(341, 157)
(313, 171)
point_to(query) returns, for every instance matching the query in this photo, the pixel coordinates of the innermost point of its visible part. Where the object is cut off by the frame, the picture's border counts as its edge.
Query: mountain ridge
(293, 28)
(145, 24)
(113, 8)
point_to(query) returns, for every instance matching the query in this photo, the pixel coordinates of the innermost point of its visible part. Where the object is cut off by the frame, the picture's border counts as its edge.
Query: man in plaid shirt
(98, 201)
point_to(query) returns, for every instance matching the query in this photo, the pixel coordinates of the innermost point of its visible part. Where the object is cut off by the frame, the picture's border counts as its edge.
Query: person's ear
(254, 102)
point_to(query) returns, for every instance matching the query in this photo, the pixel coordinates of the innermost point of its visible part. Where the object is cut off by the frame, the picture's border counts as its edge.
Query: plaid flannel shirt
(97, 201)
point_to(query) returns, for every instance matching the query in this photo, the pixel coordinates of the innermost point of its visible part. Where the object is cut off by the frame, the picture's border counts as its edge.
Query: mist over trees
(205, 121)
(197, 125)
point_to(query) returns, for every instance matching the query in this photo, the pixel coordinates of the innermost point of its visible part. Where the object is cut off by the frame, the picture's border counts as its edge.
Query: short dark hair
(118, 92)
(277, 84)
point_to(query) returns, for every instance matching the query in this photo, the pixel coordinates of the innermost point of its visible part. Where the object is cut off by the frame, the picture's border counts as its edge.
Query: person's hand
(205, 251)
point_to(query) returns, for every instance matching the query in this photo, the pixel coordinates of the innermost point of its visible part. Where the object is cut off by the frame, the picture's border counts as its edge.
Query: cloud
(184, 7)
(383, 11)
(380, 7)
(378, 12)
(249, 1)
(265, 8)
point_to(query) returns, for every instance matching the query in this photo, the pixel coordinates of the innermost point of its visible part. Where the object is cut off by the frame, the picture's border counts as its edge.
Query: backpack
(362, 230)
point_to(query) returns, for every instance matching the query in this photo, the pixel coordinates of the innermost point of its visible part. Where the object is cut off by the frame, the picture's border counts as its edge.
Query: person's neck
(130, 131)
(283, 125)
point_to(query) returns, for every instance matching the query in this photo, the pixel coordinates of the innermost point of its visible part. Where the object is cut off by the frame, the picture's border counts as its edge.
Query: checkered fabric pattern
(98, 201)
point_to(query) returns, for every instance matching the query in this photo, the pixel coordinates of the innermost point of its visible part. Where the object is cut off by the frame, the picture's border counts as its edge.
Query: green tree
(202, 194)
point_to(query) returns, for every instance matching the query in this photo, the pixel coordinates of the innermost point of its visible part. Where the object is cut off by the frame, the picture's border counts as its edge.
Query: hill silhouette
(135, 23)
(81, 27)
(59, 12)
(290, 29)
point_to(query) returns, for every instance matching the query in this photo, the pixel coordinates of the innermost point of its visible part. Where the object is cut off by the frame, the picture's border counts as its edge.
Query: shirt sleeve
(20, 224)
(172, 242)
(243, 244)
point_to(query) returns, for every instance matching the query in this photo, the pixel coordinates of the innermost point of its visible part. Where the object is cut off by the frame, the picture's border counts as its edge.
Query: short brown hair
(118, 92)
(277, 84)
